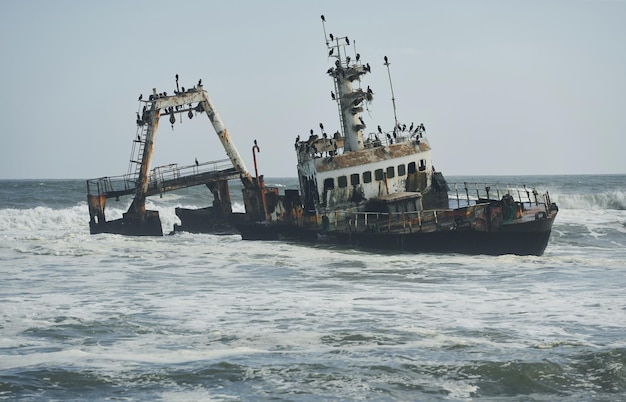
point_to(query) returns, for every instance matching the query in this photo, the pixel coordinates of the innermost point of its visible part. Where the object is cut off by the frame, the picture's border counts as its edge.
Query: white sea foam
(609, 200)
(199, 313)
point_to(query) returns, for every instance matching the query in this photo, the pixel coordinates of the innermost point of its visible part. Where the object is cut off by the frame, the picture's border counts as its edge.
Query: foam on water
(214, 317)
(609, 200)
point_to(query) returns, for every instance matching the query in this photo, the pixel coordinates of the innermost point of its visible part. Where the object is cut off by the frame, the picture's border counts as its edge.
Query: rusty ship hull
(476, 229)
(526, 242)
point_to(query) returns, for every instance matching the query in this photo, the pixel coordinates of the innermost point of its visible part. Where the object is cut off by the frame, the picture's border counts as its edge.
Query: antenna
(324, 28)
(393, 98)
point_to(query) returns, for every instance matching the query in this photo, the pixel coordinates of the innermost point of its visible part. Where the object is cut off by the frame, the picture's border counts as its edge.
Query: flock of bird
(309, 144)
(177, 91)
(141, 119)
(414, 130)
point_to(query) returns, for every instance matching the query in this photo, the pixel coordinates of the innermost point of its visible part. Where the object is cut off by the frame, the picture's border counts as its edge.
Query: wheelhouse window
(378, 174)
(422, 165)
(412, 167)
(367, 177)
(329, 184)
(391, 172)
(355, 179)
(401, 170)
(342, 182)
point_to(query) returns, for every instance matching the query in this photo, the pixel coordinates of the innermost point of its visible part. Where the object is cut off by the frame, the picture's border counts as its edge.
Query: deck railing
(464, 194)
(128, 182)
(391, 222)
(467, 197)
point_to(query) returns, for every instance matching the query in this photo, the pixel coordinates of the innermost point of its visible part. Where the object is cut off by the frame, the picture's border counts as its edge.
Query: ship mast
(170, 104)
(349, 99)
(393, 98)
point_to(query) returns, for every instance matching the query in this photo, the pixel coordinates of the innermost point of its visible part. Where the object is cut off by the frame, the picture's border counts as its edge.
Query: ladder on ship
(338, 100)
(136, 153)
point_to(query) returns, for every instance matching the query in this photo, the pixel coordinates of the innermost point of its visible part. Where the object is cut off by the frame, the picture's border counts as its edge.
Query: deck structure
(142, 181)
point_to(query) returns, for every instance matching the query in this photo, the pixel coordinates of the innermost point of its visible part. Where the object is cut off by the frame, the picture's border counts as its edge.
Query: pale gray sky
(503, 87)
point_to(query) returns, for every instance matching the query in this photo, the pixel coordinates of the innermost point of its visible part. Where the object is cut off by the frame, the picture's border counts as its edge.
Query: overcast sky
(502, 87)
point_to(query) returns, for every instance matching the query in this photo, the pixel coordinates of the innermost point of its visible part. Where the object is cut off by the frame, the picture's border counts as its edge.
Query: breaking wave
(607, 200)
(39, 218)
(76, 218)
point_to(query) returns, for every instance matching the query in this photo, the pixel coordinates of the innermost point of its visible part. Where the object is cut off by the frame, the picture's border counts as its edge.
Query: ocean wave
(76, 218)
(607, 200)
(40, 218)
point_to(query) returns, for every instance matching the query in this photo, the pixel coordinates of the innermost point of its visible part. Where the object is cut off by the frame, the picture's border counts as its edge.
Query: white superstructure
(345, 169)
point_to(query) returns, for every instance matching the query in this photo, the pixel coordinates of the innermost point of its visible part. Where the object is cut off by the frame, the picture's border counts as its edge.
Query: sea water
(204, 317)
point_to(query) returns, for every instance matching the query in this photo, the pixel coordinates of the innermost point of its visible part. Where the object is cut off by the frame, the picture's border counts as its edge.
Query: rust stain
(367, 156)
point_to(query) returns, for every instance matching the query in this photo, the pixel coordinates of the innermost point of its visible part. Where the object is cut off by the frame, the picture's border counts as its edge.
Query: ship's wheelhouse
(340, 180)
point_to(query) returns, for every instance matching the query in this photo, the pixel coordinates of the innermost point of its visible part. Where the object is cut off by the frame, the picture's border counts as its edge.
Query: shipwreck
(374, 189)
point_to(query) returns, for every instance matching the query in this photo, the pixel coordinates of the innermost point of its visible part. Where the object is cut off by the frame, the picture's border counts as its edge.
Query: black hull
(204, 220)
(472, 243)
(530, 238)
(148, 224)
